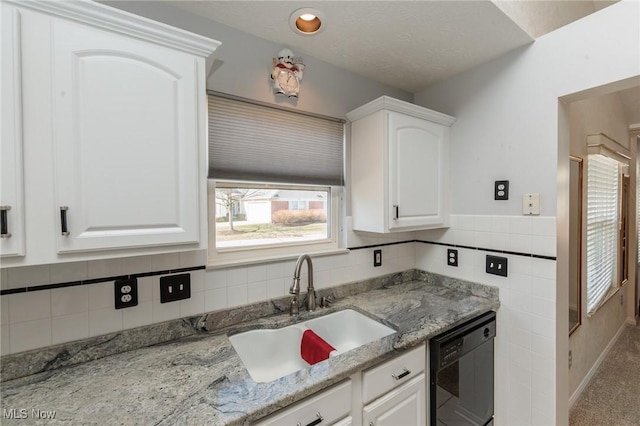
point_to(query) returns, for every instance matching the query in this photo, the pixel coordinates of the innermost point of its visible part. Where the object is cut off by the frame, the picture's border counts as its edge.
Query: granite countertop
(199, 379)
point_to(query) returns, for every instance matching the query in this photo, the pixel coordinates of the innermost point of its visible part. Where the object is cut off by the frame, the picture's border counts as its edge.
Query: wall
(525, 335)
(243, 65)
(599, 114)
(512, 124)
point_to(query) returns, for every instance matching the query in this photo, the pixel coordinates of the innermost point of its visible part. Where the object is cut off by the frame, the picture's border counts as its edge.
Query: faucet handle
(326, 301)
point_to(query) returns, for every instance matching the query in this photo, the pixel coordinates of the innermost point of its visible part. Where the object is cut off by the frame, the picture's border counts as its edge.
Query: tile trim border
(33, 288)
(514, 253)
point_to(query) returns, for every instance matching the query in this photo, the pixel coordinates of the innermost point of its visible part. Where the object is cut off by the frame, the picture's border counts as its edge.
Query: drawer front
(381, 379)
(329, 405)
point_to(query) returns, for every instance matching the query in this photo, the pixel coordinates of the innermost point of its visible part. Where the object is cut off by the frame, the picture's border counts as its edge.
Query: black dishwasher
(461, 367)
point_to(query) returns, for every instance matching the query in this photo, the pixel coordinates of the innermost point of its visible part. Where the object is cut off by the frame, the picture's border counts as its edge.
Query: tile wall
(31, 320)
(526, 325)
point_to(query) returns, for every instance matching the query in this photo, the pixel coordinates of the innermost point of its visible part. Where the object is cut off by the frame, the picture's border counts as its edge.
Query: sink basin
(271, 354)
(348, 329)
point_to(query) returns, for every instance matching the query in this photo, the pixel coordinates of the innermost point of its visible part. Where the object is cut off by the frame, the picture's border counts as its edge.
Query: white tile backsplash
(5, 344)
(4, 310)
(237, 295)
(104, 268)
(165, 311)
(145, 289)
(28, 276)
(67, 328)
(27, 335)
(237, 276)
(104, 321)
(29, 306)
(138, 316)
(101, 296)
(68, 272)
(69, 300)
(257, 291)
(215, 299)
(275, 288)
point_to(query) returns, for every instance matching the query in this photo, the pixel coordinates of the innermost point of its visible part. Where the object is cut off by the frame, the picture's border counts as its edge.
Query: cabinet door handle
(63, 220)
(404, 373)
(316, 421)
(4, 226)
(396, 210)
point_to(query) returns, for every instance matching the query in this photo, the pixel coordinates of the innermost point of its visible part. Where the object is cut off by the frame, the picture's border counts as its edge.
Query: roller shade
(602, 227)
(252, 142)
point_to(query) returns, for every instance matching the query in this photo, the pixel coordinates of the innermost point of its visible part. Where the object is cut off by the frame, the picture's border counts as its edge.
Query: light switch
(531, 204)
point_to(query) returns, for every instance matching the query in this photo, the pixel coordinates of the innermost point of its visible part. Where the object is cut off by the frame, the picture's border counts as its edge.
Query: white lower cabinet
(393, 393)
(324, 408)
(403, 406)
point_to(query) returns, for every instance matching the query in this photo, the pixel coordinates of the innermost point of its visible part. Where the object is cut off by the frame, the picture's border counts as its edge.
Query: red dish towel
(314, 348)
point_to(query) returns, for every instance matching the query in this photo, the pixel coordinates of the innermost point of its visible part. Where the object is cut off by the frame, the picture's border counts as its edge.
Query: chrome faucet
(295, 286)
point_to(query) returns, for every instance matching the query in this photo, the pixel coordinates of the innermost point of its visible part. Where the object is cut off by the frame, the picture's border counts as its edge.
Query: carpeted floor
(613, 395)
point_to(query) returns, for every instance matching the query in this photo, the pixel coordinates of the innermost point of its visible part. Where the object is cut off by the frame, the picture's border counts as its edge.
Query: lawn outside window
(256, 221)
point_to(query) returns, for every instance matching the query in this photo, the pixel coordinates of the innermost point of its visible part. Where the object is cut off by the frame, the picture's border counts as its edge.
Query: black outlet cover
(501, 190)
(377, 258)
(452, 257)
(175, 287)
(125, 293)
(496, 265)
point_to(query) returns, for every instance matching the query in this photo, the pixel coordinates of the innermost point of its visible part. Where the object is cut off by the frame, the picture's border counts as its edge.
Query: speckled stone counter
(199, 379)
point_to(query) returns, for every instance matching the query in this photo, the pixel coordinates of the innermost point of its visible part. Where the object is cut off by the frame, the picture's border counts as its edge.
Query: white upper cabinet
(12, 191)
(399, 167)
(114, 119)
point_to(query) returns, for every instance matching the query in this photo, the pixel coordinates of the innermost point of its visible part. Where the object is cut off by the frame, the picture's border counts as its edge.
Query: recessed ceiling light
(306, 21)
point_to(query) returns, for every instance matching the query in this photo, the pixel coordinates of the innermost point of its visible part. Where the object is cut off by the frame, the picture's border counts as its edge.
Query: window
(606, 228)
(275, 181)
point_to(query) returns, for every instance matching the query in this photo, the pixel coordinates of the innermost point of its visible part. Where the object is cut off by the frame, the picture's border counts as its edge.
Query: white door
(403, 406)
(12, 190)
(126, 141)
(417, 171)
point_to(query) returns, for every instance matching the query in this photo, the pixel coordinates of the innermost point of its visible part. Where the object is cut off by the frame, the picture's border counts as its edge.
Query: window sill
(213, 264)
(612, 292)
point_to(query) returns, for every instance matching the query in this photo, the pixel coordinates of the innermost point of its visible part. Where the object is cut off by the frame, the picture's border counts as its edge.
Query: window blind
(602, 227)
(252, 142)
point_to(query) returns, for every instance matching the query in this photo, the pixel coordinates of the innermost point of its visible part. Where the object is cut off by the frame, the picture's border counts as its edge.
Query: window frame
(619, 277)
(271, 252)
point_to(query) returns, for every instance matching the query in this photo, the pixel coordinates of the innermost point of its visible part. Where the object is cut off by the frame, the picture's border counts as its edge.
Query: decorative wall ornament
(287, 74)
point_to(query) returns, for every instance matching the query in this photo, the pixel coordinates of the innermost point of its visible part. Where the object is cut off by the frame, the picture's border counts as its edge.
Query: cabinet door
(11, 160)
(403, 406)
(125, 140)
(418, 172)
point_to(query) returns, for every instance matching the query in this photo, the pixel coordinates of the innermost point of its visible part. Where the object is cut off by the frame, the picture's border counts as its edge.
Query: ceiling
(407, 44)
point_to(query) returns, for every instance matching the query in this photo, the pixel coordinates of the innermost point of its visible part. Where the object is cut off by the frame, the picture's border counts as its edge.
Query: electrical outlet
(377, 258)
(452, 257)
(126, 293)
(501, 190)
(496, 265)
(175, 287)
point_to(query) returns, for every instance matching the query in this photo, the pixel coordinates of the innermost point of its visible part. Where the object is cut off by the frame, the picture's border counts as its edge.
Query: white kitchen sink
(271, 354)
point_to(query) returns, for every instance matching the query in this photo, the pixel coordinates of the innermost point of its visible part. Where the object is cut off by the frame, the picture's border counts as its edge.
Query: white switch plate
(531, 204)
